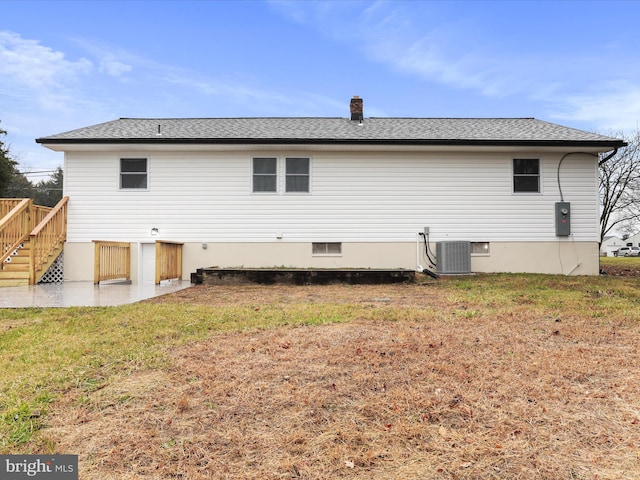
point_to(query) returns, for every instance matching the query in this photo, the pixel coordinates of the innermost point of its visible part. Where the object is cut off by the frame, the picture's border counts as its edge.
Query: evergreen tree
(7, 168)
(49, 192)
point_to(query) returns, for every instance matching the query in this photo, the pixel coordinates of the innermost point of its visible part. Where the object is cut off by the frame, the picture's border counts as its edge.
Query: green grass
(49, 353)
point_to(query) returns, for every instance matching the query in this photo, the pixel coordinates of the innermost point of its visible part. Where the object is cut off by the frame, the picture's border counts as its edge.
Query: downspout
(608, 157)
(600, 163)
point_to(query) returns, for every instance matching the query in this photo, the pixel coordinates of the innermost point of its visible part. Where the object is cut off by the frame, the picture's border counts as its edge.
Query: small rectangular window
(297, 174)
(133, 173)
(326, 248)
(265, 174)
(480, 248)
(526, 175)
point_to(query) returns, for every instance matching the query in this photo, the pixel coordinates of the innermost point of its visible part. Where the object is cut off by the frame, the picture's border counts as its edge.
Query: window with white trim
(133, 173)
(326, 248)
(281, 175)
(526, 175)
(265, 174)
(297, 173)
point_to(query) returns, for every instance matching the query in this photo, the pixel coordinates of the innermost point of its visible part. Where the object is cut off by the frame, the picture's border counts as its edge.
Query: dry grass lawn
(422, 385)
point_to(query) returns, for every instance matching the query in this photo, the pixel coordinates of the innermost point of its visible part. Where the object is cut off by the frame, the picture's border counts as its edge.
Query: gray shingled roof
(409, 131)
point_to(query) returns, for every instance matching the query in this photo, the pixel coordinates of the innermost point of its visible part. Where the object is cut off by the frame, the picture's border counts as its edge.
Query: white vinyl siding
(357, 197)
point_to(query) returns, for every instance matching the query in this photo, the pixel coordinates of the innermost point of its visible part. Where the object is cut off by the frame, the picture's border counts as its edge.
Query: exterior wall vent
(453, 257)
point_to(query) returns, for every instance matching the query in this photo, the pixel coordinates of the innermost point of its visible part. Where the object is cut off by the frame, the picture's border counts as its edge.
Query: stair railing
(14, 227)
(46, 238)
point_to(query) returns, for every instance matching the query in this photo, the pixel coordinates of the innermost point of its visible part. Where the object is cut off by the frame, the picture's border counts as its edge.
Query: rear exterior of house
(334, 192)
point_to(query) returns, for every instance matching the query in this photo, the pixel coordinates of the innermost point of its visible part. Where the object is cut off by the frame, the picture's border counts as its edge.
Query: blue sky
(69, 64)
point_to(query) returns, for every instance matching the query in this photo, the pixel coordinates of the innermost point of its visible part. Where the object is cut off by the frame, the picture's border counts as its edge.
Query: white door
(148, 263)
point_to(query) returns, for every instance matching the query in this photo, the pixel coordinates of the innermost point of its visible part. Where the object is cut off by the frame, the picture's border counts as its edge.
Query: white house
(633, 240)
(334, 192)
(610, 245)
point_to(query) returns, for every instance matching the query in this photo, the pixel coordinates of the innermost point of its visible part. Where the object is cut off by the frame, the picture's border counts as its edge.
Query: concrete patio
(84, 294)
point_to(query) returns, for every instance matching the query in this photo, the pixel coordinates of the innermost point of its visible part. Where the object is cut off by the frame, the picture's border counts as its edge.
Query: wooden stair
(31, 238)
(15, 273)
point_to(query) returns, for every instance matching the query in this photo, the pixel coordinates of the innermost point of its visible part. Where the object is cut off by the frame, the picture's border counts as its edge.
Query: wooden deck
(300, 276)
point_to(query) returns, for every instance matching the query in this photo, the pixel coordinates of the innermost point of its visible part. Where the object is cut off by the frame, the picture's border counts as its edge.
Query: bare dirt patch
(622, 269)
(419, 294)
(515, 396)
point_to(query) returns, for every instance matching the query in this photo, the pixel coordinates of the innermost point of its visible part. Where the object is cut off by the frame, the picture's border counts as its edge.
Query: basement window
(326, 248)
(133, 173)
(526, 175)
(480, 248)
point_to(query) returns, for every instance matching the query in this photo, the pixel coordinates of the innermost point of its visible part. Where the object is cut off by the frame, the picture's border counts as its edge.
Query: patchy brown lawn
(621, 267)
(460, 395)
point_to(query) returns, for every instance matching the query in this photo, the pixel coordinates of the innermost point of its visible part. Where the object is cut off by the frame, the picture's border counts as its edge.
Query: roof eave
(323, 141)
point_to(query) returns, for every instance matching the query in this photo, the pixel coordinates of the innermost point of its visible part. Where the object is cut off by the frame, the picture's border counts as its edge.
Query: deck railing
(112, 261)
(40, 213)
(7, 204)
(47, 237)
(168, 260)
(14, 226)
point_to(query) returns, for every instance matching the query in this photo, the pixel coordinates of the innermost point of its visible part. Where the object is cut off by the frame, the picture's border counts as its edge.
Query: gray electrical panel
(563, 219)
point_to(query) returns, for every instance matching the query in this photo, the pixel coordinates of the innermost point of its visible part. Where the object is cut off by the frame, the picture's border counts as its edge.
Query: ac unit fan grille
(453, 257)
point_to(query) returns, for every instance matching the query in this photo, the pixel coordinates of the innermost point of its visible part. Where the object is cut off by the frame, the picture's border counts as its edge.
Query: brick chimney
(356, 107)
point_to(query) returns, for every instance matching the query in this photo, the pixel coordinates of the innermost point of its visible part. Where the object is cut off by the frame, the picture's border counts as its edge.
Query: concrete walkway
(84, 294)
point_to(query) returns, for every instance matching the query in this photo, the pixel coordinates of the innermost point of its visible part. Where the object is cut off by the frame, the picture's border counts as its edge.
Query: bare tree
(620, 189)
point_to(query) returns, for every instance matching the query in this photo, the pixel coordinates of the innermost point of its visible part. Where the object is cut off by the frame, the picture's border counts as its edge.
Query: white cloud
(404, 37)
(113, 67)
(615, 107)
(432, 42)
(26, 63)
(245, 97)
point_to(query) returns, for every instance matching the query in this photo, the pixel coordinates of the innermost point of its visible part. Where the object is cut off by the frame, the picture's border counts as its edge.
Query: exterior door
(148, 271)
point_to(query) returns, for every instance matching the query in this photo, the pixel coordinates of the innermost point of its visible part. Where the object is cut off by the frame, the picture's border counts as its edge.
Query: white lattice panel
(55, 274)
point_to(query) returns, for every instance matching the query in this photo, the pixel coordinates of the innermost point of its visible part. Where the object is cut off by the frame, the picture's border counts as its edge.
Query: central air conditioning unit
(453, 257)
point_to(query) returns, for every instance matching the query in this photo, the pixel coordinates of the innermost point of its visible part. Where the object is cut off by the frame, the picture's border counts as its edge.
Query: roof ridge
(329, 118)
(229, 118)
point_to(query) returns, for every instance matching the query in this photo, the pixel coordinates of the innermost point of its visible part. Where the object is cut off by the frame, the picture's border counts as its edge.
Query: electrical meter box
(563, 219)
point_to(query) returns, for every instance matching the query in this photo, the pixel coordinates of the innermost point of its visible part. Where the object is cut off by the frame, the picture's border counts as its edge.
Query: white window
(265, 174)
(480, 248)
(281, 175)
(526, 175)
(326, 248)
(297, 174)
(133, 173)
